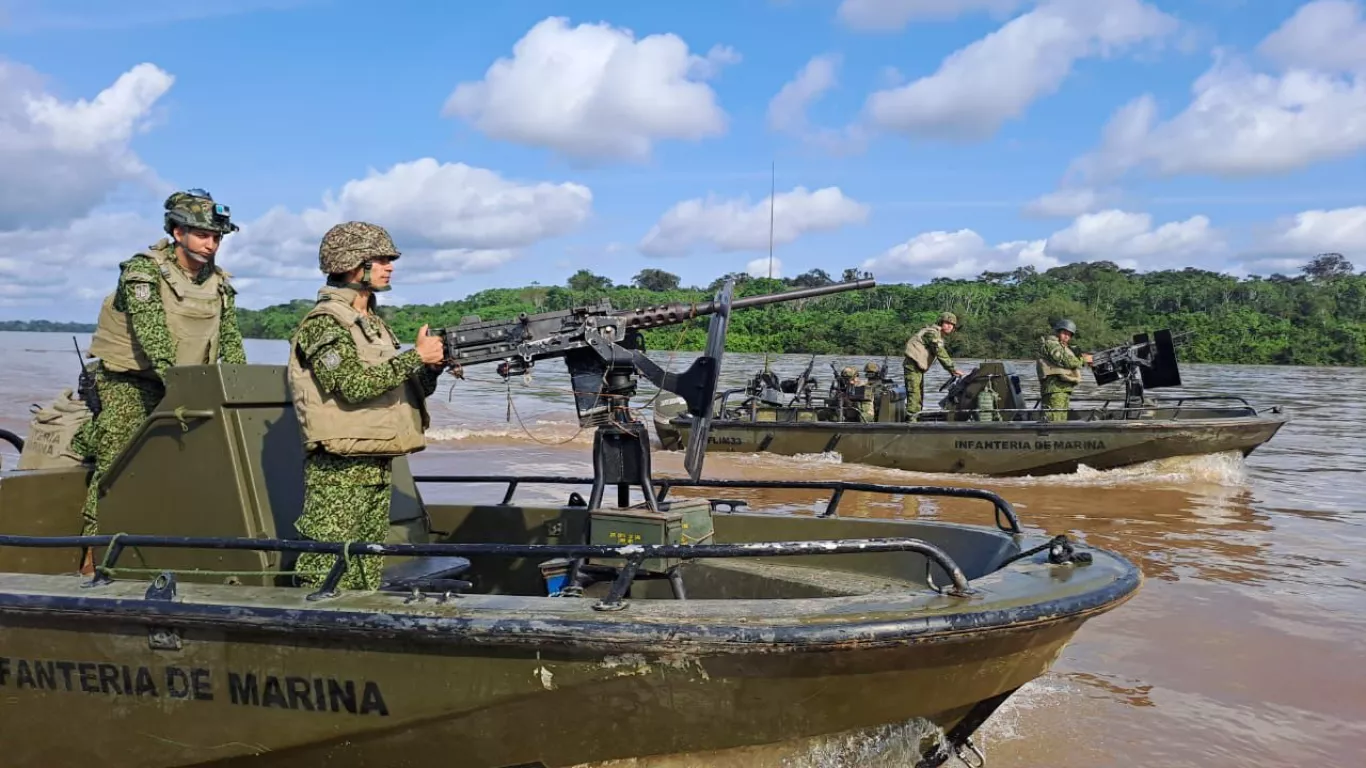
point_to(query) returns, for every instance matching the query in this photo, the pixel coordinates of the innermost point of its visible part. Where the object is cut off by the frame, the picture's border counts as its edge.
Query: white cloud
(1128, 239)
(1310, 233)
(738, 225)
(959, 254)
(760, 268)
(787, 110)
(448, 219)
(1326, 35)
(1065, 203)
(61, 158)
(76, 261)
(1241, 122)
(594, 92)
(892, 15)
(995, 79)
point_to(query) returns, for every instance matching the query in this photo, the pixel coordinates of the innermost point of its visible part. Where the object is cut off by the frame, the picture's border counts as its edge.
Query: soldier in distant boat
(923, 348)
(1059, 369)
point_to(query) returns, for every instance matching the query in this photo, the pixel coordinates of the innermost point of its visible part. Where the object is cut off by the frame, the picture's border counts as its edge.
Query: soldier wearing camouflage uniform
(1059, 369)
(922, 349)
(360, 401)
(863, 403)
(172, 306)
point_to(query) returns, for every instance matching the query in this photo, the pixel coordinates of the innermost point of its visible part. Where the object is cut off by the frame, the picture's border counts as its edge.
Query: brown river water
(1245, 647)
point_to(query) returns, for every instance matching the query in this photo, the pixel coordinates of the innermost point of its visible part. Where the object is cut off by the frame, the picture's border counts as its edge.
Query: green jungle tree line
(1315, 318)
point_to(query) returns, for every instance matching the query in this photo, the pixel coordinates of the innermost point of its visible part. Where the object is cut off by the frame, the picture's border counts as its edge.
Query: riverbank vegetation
(1317, 317)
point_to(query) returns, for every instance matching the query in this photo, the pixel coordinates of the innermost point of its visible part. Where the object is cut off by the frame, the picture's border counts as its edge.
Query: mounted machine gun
(1143, 364)
(604, 349)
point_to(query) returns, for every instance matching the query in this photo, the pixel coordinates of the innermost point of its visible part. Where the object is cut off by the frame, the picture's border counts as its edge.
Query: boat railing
(634, 555)
(1006, 519)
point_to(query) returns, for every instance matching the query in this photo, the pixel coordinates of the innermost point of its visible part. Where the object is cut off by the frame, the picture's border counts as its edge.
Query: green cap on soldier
(947, 317)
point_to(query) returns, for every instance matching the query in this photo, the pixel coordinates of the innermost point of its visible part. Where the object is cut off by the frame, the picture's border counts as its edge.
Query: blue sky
(501, 143)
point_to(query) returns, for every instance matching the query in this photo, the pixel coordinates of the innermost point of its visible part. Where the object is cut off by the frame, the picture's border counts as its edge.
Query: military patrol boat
(504, 634)
(985, 425)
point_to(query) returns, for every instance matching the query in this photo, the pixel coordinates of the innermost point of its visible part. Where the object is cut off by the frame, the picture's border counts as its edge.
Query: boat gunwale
(682, 423)
(481, 627)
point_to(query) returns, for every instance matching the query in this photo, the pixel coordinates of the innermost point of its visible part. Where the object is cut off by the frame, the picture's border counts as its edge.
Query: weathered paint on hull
(1000, 449)
(259, 676)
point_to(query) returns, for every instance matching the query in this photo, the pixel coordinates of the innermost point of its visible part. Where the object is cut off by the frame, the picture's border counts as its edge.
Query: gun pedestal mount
(1144, 364)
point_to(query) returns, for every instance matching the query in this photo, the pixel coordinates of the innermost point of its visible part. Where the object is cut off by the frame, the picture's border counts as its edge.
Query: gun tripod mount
(603, 375)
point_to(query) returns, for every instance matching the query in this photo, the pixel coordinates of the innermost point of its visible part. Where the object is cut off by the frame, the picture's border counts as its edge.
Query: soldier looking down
(1059, 369)
(359, 400)
(924, 347)
(172, 306)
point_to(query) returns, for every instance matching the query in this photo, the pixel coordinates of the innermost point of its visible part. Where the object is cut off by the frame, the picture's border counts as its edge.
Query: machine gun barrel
(528, 338)
(678, 312)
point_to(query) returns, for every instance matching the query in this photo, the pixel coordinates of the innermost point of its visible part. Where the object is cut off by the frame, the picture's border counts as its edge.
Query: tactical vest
(48, 444)
(389, 425)
(917, 351)
(1045, 368)
(194, 313)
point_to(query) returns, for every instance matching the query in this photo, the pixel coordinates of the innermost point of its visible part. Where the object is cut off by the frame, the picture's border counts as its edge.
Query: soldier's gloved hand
(429, 348)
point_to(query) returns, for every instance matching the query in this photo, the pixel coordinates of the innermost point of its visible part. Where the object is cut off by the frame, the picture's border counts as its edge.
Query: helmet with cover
(196, 209)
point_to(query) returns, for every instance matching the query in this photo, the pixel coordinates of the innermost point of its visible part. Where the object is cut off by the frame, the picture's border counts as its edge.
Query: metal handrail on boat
(662, 484)
(634, 554)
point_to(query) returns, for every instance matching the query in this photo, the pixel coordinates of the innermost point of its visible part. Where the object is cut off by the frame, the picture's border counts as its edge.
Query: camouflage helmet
(849, 372)
(1064, 324)
(871, 367)
(947, 317)
(351, 244)
(195, 208)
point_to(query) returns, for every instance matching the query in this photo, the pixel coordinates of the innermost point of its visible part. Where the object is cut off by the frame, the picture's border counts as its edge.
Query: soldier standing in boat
(360, 401)
(860, 391)
(922, 349)
(1059, 369)
(172, 306)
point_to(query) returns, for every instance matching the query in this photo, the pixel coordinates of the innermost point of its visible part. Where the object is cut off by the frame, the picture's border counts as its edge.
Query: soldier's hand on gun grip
(429, 348)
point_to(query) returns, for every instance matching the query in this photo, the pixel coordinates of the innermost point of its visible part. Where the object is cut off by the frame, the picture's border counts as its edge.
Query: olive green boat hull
(260, 676)
(236, 667)
(1000, 449)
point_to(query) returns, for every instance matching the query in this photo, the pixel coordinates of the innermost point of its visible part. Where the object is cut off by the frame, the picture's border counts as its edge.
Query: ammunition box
(686, 521)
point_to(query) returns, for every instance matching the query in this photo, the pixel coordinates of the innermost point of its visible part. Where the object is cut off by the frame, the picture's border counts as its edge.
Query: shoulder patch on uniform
(319, 331)
(142, 291)
(330, 359)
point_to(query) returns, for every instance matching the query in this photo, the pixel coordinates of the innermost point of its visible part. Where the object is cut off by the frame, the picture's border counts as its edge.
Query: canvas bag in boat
(48, 445)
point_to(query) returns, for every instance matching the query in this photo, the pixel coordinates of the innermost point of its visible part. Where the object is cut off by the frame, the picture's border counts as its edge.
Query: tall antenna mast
(772, 195)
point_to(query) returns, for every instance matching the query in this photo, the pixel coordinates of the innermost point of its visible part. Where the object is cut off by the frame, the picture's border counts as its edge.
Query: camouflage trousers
(345, 499)
(1056, 399)
(125, 402)
(915, 390)
(865, 407)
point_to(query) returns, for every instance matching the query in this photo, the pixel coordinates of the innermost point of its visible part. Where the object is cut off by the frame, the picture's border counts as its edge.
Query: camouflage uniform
(346, 498)
(1055, 389)
(932, 339)
(864, 404)
(127, 398)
